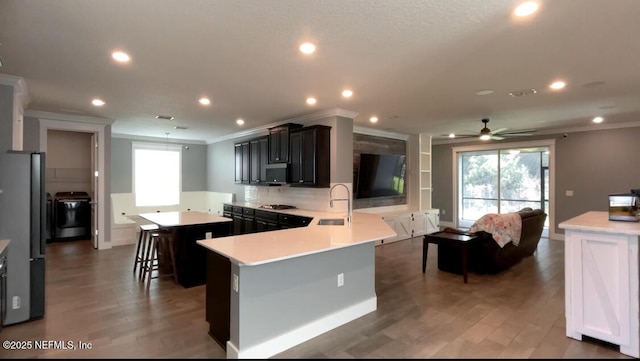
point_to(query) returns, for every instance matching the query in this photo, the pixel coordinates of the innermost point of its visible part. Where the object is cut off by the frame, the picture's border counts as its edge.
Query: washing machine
(72, 216)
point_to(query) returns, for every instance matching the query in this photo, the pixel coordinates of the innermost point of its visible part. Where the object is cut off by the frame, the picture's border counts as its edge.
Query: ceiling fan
(487, 134)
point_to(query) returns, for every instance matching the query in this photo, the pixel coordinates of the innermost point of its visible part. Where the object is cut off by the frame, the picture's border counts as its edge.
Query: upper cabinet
(242, 162)
(310, 156)
(258, 160)
(279, 142)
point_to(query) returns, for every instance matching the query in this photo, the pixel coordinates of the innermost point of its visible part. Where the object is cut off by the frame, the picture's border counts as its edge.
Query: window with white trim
(156, 174)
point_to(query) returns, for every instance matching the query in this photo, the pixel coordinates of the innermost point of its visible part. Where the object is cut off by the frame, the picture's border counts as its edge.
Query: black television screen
(380, 175)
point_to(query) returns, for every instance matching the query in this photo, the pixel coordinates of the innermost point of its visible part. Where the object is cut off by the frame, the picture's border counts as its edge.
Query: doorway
(100, 131)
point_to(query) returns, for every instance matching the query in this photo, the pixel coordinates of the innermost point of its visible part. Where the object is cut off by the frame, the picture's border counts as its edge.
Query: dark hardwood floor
(92, 296)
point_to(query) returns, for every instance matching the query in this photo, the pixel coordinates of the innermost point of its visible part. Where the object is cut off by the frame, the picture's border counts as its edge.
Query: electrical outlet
(340, 279)
(236, 282)
(444, 212)
(16, 302)
(208, 235)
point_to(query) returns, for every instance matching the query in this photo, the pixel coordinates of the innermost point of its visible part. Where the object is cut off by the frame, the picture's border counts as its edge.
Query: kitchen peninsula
(269, 291)
(601, 280)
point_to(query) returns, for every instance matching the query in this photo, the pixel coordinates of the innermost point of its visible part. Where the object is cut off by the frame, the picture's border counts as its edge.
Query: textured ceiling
(414, 64)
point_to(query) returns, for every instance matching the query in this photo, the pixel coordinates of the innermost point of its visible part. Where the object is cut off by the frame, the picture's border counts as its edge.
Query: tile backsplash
(314, 199)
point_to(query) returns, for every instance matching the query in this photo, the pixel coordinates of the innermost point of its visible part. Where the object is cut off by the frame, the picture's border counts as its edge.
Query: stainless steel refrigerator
(23, 221)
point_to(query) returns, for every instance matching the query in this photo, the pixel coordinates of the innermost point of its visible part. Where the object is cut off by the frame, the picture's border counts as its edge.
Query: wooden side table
(456, 240)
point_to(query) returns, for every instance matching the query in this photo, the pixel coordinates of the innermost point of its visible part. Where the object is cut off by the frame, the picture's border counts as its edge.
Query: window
(506, 179)
(156, 174)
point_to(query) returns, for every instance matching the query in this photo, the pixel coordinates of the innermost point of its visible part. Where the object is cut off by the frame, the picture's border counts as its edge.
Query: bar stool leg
(138, 259)
(148, 260)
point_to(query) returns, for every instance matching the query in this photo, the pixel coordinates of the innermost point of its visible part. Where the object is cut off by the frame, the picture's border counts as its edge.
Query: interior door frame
(101, 128)
(95, 184)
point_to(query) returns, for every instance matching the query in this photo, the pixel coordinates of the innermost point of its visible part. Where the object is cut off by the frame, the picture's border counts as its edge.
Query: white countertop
(599, 221)
(185, 218)
(264, 247)
(3, 244)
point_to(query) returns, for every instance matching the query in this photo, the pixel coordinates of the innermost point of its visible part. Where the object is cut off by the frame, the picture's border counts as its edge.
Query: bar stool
(143, 240)
(159, 256)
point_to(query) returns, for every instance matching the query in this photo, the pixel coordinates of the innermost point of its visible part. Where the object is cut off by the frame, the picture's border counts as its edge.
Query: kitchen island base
(260, 310)
(601, 280)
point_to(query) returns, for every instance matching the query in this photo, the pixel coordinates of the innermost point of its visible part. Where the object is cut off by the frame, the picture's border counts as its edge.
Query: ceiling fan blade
(523, 131)
(497, 137)
(499, 131)
(516, 134)
(460, 135)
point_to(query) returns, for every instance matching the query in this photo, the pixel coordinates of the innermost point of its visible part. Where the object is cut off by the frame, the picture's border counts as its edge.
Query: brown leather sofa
(486, 256)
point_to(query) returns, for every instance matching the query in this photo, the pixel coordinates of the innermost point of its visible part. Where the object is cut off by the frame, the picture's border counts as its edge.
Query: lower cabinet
(601, 287)
(411, 224)
(250, 220)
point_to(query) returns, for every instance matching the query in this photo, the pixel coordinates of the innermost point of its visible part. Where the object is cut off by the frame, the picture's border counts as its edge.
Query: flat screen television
(381, 175)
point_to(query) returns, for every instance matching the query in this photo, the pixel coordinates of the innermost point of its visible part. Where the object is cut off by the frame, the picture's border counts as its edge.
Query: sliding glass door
(501, 181)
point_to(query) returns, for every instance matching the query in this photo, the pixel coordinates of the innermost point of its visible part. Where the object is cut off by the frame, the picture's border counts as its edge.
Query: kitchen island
(185, 228)
(269, 291)
(601, 280)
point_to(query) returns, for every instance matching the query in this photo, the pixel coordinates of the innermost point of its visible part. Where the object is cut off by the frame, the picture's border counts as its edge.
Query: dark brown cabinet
(310, 156)
(279, 142)
(258, 160)
(242, 157)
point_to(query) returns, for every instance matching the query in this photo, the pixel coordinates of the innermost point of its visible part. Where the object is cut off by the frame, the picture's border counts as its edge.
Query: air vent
(519, 93)
(165, 117)
(180, 127)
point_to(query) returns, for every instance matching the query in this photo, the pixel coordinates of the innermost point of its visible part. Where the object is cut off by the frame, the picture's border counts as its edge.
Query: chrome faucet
(348, 199)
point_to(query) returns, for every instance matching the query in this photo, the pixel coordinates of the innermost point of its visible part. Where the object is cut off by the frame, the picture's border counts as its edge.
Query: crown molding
(19, 88)
(307, 118)
(379, 133)
(156, 139)
(67, 117)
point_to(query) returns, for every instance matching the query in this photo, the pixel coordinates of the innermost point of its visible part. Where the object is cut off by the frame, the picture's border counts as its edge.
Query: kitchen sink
(331, 222)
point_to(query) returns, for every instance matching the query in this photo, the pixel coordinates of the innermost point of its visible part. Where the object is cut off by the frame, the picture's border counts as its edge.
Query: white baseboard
(294, 337)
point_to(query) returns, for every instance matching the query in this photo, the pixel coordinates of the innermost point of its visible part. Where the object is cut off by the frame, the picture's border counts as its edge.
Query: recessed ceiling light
(204, 101)
(347, 93)
(557, 85)
(484, 92)
(311, 101)
(307, 48)
(120, 56)
(451, 135)
(240, 122)
(165, 117)
(598, 120)
(97, 102)
(373, 119)
(526, 9)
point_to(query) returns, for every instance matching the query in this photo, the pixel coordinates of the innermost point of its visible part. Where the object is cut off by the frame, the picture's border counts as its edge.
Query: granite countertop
(265, 247)
(599, 221)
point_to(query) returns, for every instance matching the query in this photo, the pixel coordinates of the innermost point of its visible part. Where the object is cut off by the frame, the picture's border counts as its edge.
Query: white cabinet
(601, 288)
(406, 225)
(432, 223)
(601, 280)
